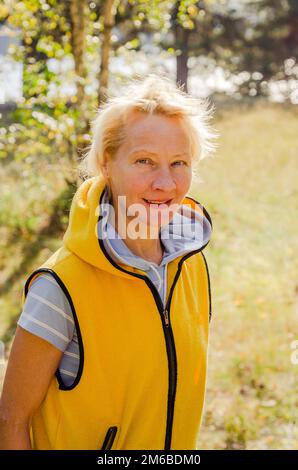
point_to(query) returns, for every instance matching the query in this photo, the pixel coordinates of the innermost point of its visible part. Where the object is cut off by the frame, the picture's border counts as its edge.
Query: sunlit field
(249, 188)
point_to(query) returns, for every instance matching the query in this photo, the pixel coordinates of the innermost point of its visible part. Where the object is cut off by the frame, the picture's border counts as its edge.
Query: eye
(143, 160)
(180, 162)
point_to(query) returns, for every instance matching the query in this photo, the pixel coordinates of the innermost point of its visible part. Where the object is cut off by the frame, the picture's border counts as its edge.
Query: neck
(148, 249)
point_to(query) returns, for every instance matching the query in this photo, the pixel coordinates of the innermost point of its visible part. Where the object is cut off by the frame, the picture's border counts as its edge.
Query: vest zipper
(166, 315)
(171, 350)
(109, 438)
(172, 360)
(169, 337)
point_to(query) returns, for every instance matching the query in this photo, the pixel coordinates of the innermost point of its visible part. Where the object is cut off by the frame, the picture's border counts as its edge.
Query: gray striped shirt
(47, 314)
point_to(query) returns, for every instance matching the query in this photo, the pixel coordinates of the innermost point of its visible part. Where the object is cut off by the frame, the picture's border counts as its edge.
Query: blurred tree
(44, 121)
(270, 44)
(256, 40)
(66, 47)
(78, 15)
(109, 10)
(63, 43)
(203, 28)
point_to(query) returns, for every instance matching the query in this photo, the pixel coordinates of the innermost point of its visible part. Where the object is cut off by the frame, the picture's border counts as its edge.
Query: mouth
(157, 204)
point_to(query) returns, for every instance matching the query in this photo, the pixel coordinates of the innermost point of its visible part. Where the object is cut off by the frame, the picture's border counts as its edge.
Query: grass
(249, 188)
(34, 200)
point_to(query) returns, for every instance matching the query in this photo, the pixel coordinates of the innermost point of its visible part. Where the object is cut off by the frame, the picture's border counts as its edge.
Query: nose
(164, 181)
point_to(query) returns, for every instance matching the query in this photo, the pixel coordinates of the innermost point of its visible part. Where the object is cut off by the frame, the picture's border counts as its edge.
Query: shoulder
(47, 312)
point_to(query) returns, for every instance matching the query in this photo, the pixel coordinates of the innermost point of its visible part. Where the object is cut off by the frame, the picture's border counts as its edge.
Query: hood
(190, 229)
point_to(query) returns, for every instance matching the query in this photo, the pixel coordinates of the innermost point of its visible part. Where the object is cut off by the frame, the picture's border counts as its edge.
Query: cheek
(183, 182)
(137, 184)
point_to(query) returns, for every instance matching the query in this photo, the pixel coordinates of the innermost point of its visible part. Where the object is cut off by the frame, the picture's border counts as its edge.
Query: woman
(110, 350)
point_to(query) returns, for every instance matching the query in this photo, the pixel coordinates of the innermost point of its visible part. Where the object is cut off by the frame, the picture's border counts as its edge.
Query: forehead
(155, 131)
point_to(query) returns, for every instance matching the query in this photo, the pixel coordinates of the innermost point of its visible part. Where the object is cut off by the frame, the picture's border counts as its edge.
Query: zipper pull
(166, 317)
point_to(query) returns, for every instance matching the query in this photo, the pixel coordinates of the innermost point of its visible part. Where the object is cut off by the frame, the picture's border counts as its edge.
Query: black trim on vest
(62, 385)
(168, 333)
(203, 209)
(209, 287)
(207, 270)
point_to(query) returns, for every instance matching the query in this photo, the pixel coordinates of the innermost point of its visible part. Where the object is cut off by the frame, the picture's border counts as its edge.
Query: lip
(167, 203)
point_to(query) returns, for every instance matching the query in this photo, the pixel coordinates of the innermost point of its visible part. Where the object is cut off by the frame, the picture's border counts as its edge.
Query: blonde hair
(154, 94)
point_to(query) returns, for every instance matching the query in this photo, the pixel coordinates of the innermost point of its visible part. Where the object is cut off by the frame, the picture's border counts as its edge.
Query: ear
(104, 166)
(105, 171)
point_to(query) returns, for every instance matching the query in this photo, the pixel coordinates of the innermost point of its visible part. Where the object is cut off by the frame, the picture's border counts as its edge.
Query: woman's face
(153, 164)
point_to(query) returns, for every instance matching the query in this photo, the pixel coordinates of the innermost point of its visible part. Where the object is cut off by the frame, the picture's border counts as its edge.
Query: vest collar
(85, 224)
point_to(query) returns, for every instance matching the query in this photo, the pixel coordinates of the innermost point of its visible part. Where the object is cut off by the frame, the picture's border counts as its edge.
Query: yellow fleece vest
(142, 375)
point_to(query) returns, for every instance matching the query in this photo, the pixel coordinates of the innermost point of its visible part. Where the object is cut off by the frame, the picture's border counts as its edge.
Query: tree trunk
(78, 14)
(109, 12)
(182, 67)
(181, 38)
(78, 19)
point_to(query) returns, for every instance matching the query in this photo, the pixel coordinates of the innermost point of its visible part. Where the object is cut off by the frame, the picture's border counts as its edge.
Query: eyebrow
(156, 154)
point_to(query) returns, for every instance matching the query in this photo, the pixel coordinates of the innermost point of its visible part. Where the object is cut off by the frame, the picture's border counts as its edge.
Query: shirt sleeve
(47, 312)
